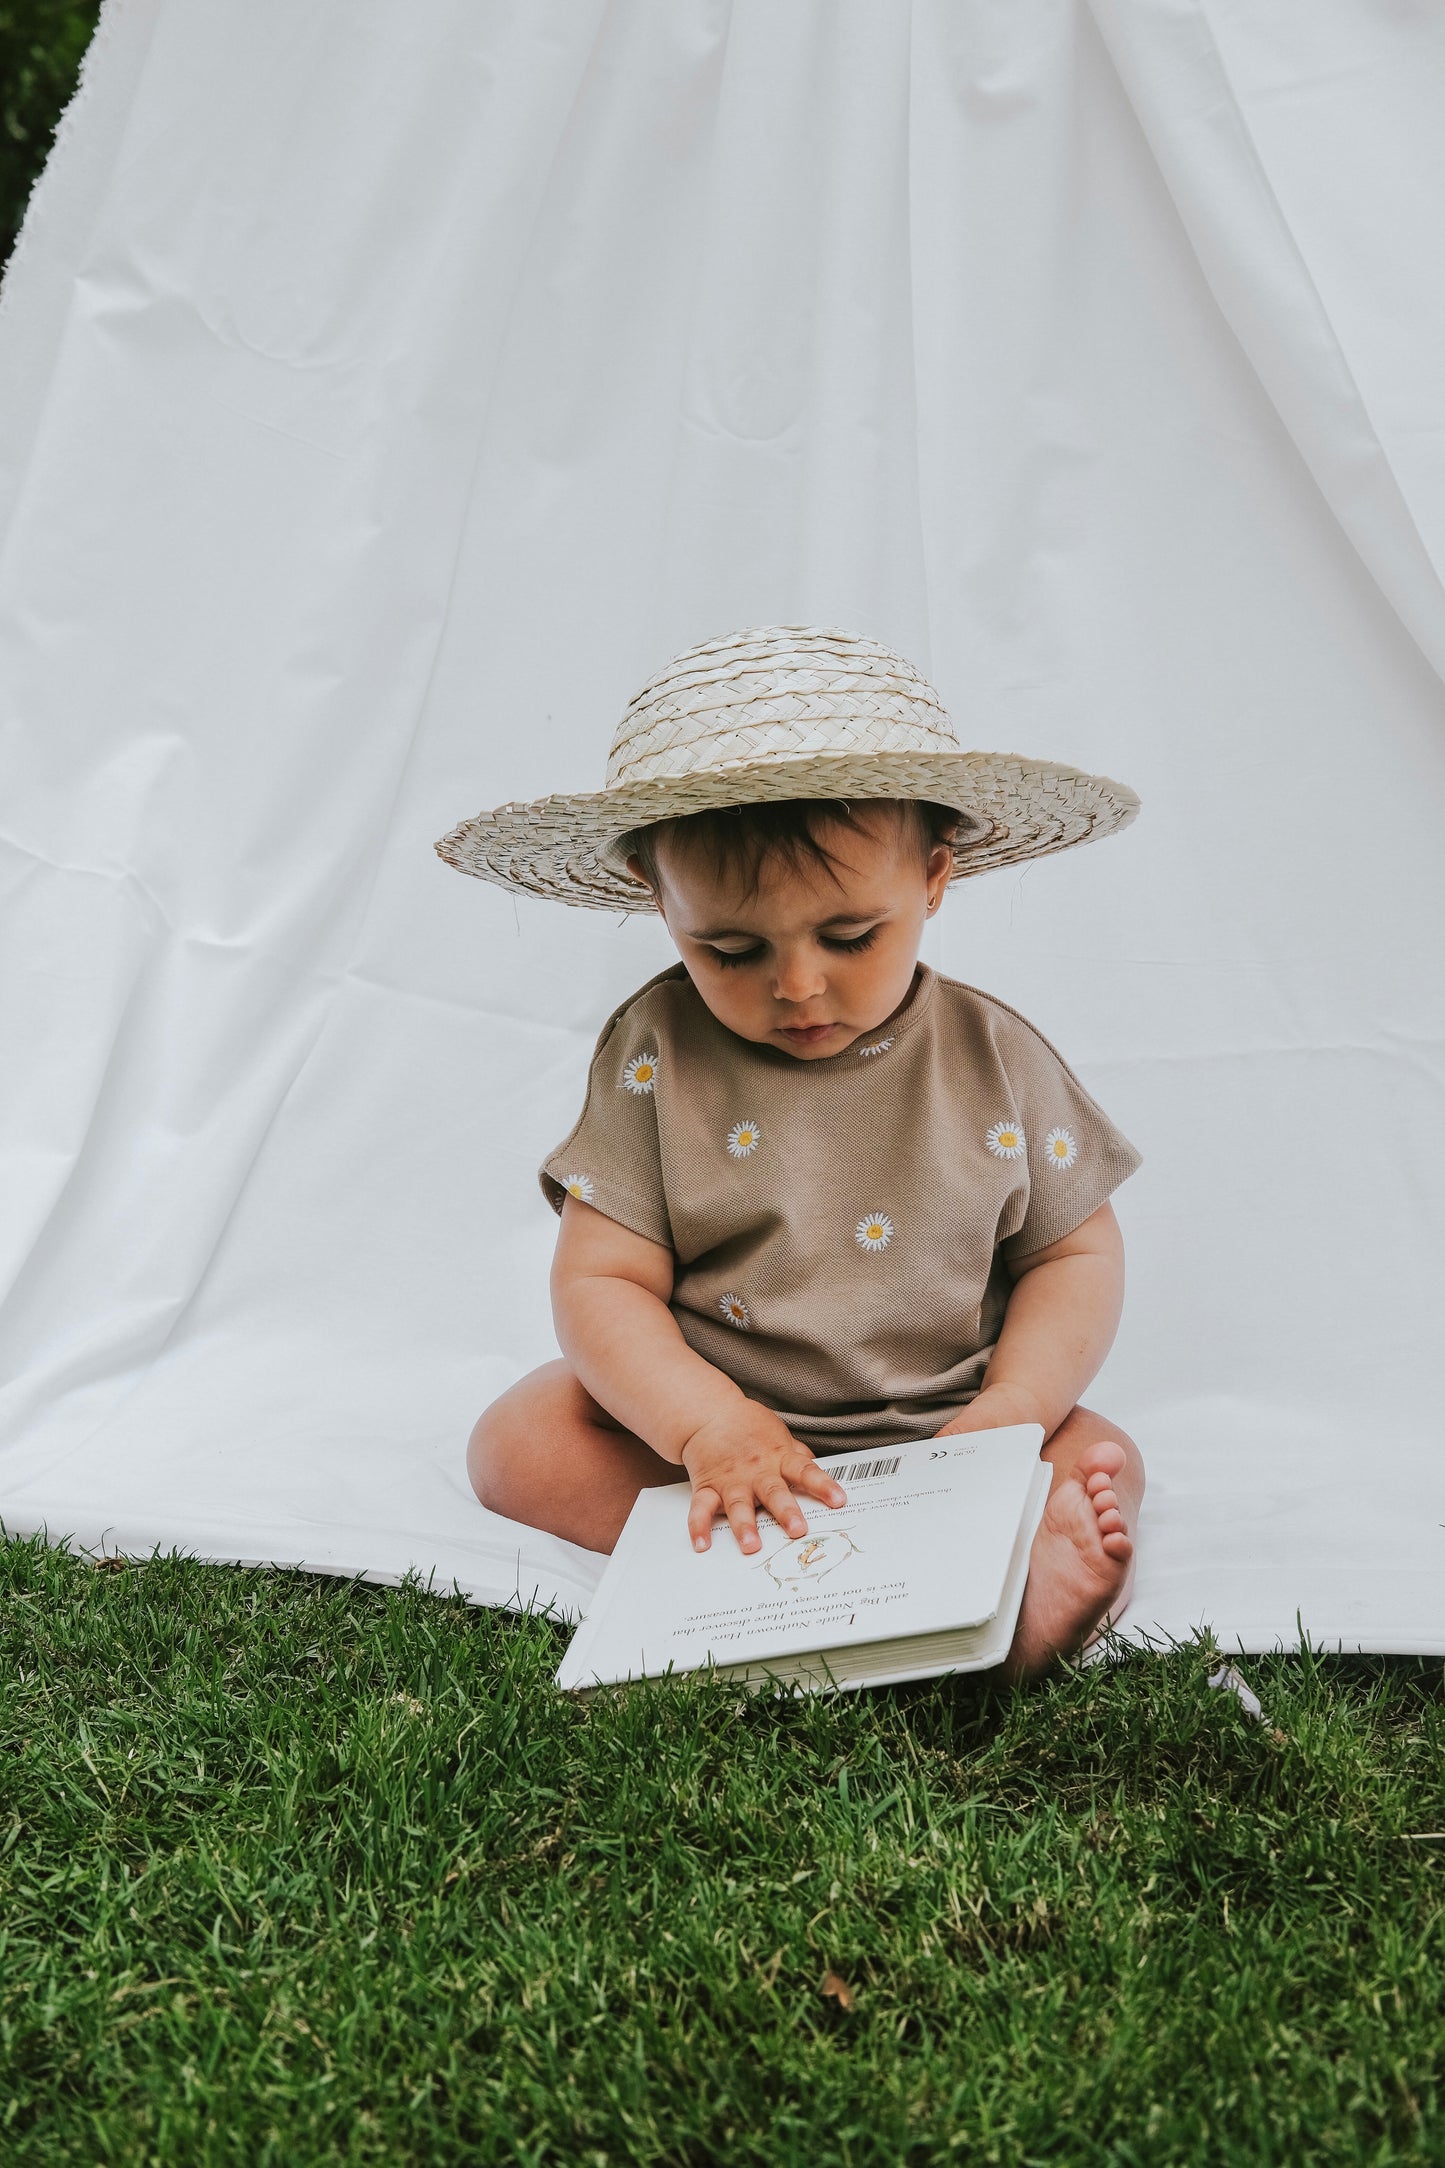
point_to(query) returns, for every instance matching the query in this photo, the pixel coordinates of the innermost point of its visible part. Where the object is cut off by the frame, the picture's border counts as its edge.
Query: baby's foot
(1079, 1564)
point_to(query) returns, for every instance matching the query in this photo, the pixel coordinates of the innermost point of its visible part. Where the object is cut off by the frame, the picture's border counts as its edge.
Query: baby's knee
(511, 1440)
(495, 1456)
(1083, 1429)
(1131, 1475)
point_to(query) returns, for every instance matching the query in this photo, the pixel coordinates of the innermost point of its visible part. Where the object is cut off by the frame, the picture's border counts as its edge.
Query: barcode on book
(858, 1471)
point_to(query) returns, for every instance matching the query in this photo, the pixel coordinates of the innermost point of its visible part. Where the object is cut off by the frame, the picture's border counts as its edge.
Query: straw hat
(788, 711)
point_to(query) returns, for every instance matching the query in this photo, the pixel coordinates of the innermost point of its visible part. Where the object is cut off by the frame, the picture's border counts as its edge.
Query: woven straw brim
(566, 846)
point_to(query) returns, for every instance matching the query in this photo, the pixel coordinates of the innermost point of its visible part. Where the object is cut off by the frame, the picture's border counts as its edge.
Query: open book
(921, 1571)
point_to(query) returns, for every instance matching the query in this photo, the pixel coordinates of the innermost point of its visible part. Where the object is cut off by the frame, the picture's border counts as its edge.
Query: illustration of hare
(809, 1559)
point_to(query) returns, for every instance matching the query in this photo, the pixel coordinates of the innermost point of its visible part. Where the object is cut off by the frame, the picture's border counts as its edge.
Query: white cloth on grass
(385, 392)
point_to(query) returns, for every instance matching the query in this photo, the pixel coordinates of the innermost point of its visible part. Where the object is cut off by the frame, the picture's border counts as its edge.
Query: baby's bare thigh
(547, 1453)
(548, 1409)
(552, 1393)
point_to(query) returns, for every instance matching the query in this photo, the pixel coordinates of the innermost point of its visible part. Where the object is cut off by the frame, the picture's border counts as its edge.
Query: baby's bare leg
(547, 1454)
(1082, 1565)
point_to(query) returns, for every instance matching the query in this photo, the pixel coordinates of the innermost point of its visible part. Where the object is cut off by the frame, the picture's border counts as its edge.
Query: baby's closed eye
(851, 943)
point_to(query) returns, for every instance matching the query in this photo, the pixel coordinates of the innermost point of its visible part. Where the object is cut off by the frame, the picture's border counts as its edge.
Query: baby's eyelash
(851, 947)
(858, 941)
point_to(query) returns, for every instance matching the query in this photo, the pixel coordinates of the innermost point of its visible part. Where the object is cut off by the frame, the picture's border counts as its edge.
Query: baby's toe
(1117, 1546)
(1111, 1522)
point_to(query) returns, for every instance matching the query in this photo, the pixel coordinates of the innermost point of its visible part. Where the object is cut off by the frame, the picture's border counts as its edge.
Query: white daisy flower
(743, 1137)
(1060, 1149)
(879, 1046)
(580, 1186)
(874, 1231)
(640, 1074)
(1006, 1140)
(736, 1311)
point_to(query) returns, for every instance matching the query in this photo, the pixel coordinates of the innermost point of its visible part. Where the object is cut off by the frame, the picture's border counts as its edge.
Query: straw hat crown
(778, 712)
(775, 694)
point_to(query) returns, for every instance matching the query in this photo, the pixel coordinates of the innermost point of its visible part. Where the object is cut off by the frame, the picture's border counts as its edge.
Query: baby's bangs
(739, 840)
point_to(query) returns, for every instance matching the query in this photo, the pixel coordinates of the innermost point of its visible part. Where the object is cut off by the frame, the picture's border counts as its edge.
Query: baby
(820, 1197)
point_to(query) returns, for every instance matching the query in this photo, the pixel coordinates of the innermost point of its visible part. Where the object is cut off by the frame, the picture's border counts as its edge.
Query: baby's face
(813, 960)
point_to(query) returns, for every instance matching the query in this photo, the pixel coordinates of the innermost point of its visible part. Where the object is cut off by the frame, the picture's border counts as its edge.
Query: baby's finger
(738, 1506)
(783, 1506)
(817, 1483)
(704, 1510)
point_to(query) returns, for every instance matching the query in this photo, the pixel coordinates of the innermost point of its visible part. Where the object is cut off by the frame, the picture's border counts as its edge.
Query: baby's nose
(797, 979)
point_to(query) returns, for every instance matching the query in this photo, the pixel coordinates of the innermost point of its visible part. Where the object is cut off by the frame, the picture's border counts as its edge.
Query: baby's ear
(939, 872)
(635, 872)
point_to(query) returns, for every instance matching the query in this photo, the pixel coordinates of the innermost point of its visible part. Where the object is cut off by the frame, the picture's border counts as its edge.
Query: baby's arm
(1059, 1325)
(610, 1290)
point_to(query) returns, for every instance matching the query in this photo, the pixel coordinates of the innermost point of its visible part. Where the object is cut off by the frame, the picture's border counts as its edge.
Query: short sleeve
(611, 1158)
(1076, 1158)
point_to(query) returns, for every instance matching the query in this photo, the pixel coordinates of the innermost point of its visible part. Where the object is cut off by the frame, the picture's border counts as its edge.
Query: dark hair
(740, 837)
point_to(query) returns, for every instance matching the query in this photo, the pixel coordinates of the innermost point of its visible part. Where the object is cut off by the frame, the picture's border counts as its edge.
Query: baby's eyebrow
(852, 918)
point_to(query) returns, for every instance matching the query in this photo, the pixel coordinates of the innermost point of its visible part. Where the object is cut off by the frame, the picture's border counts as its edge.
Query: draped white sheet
(384, 392)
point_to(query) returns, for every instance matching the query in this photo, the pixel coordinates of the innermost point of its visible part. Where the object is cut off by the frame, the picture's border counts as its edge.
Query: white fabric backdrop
(384, 392)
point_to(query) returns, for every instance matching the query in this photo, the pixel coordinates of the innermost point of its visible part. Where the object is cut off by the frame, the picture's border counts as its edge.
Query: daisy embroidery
(743, 1137)
(1006, 1140)
(736, 1311)
(640, 1074)
(580, 1186)
(874, 1231)
(879, 1046)
(1060, 1150)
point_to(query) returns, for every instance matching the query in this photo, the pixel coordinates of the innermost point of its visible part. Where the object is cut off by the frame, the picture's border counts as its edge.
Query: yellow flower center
(1061, 1150)
(1008, 1140)
(643, 1072)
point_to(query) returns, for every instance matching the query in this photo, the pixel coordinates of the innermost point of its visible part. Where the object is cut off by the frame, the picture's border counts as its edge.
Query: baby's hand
(744, 1458)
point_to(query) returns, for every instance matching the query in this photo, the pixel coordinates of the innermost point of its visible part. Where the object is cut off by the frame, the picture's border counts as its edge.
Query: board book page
(931, 1545)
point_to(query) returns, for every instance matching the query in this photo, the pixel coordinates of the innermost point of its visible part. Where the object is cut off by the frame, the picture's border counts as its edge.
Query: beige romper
(840, 1228)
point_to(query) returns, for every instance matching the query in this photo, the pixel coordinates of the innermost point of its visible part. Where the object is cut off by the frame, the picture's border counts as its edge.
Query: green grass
(42, 43)
(300, 1871)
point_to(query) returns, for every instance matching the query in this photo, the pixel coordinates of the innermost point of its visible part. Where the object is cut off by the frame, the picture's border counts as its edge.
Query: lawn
(297, 1871)
(42, 43)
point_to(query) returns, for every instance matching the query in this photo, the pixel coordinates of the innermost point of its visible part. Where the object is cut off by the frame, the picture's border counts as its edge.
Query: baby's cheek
(887, 980)
(737, 1007)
